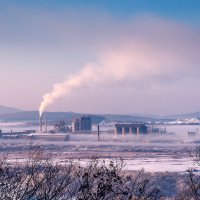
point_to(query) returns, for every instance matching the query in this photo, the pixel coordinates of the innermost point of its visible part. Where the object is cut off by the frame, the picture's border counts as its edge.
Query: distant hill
(7, 110)
(187, 115)
(13, 114)
(127, 118)
(52, 116)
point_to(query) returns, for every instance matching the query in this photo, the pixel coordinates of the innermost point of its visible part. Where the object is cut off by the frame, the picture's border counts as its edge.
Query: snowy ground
(165, 158)
(153, 153)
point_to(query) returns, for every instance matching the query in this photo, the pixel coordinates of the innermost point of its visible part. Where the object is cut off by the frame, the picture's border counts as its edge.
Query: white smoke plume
(90, 74)
(84, 77)
(164, 51)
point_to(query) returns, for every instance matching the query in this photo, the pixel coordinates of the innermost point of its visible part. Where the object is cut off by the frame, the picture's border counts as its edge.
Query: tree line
(40, 177)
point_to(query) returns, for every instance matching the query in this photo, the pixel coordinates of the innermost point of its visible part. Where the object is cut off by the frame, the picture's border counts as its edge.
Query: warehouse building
(82, 124)
(130, 128)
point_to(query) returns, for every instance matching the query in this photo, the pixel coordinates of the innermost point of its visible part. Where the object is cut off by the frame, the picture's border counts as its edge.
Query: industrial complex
(130, 128)
(61, 130)
(82, 124)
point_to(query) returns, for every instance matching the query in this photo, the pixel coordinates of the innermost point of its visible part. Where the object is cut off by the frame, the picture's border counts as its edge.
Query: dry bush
(191, 187)
(41, 178)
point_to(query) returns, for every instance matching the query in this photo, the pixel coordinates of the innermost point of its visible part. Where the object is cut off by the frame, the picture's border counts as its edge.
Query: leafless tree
(102, 181)
(41, 178)
(191, 189)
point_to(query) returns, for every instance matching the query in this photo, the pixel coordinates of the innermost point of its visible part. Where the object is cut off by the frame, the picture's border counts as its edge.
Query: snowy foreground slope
(154, 153)
(165, 158)
(151, 153)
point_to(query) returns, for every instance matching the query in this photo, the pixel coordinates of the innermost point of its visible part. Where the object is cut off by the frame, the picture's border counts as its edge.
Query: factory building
(83, 123)
(49, 137)
(60, 127)
(130, 128)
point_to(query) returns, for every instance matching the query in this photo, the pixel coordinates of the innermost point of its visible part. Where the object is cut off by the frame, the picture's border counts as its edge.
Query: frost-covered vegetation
(164, 159)
(41, 177)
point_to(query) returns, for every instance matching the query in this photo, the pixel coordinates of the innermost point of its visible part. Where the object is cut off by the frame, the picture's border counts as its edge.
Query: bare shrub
(41, 178)
(191, 188)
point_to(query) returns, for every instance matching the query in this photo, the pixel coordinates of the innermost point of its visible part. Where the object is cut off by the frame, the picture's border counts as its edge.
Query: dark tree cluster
(191, 188)
(41, 178)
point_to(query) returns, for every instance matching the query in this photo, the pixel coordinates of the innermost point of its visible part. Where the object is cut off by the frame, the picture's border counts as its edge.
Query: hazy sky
(143, 56)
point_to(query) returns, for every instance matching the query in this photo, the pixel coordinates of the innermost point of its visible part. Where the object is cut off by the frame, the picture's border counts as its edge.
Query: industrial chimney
(40, 123)
(45, 122)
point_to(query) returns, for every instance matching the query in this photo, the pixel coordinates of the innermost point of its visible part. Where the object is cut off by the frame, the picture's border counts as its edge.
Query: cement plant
(153, 145)
(99, 100)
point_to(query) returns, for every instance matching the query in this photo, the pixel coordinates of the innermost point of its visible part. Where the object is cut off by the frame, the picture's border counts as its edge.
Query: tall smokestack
(98, 132)
(45, 122)
(40, 123)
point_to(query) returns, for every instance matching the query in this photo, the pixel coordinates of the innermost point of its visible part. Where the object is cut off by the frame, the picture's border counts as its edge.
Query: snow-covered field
(154, 153)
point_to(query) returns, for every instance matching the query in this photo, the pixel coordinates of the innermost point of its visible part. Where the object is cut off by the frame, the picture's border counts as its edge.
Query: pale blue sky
(43, 42)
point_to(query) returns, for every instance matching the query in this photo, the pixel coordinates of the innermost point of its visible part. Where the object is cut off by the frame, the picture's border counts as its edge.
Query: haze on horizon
(147, 53)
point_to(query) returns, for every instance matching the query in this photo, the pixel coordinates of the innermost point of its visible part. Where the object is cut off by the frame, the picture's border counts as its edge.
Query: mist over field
(151, 152)
(99, 100)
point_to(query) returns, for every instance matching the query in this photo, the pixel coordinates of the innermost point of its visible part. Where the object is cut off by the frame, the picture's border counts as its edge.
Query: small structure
(49, 137)
(41, 123)
(130, 128)
(159, 130)
(60, 127)
(29, 131)
(83, 123)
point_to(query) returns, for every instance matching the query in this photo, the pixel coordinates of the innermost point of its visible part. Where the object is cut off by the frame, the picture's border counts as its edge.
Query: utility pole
(98, 132)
